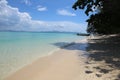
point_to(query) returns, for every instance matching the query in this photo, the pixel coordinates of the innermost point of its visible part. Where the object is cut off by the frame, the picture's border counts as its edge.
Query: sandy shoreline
(62, 65)
(69, 63)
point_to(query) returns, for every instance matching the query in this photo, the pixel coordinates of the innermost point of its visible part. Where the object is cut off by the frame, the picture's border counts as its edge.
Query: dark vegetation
(104, 18)
(105, 15)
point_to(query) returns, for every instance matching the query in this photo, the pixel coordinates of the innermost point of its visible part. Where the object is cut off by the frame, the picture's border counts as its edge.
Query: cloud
(61, 26)
(41, 8)
(65, 13)
(12, 19)
(27, 2)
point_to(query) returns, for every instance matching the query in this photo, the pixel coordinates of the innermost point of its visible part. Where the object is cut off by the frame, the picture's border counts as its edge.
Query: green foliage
(106, 19)
(88, 4)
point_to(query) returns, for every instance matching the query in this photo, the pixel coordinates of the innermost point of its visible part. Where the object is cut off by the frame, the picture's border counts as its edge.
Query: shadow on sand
(107, 50)
(71, 46)
(104, 51)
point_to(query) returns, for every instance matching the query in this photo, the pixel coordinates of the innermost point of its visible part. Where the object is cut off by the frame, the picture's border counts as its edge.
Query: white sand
(64, 64)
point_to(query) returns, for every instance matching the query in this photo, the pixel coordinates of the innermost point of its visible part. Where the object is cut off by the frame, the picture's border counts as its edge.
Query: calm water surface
(20, 48)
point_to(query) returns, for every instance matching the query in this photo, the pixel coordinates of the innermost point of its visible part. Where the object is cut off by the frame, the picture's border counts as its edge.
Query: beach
(59, 40)
(74, 62)
(61, 65)
(18, 49)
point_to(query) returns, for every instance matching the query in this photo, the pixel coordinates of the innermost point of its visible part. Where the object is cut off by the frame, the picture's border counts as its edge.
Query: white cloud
(65, 26)
(65, 12)
(12, 19)
(41, 8)
(27, 2)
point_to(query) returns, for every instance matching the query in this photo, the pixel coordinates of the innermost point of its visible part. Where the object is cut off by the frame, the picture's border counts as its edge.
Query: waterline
(18, 49)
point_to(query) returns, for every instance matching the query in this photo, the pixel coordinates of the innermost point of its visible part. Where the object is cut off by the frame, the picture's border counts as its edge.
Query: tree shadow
(71, 46)
(118, 77)
(80, 46)
(107, 51)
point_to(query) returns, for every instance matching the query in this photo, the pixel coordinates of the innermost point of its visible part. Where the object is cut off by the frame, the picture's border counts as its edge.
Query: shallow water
(18, 49)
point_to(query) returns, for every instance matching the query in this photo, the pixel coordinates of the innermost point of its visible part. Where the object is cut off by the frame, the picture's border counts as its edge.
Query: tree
(105, 17)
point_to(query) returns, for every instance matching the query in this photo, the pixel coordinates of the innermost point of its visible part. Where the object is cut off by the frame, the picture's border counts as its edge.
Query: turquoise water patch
(18, 49)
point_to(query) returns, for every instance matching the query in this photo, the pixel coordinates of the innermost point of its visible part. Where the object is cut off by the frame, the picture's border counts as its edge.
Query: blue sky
(41, 15)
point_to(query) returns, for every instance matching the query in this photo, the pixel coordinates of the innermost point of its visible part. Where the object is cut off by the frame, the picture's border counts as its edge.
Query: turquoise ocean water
(18, 49)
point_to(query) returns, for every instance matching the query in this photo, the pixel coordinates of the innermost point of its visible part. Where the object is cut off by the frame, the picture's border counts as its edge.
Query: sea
(18, 49)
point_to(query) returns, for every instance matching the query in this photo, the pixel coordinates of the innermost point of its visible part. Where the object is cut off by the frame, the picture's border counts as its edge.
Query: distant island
(37, 31)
